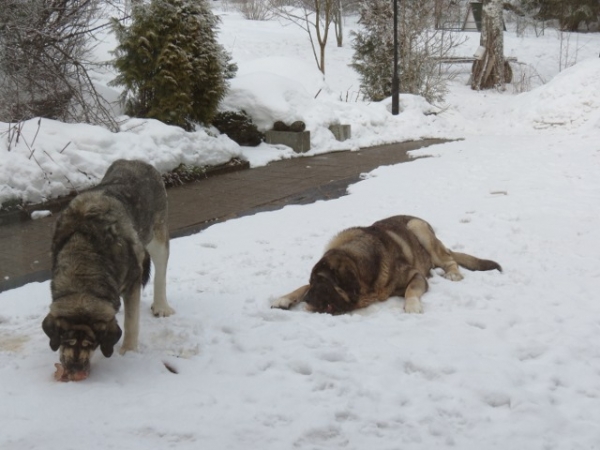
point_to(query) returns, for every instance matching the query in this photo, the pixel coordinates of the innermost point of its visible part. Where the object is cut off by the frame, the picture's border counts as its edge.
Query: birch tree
(491, 70)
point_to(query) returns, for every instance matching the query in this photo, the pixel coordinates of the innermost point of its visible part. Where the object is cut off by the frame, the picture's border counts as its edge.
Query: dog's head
(77, 338)
(334, 286)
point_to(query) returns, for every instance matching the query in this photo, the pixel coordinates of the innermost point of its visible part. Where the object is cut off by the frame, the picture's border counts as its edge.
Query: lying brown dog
(392, 257)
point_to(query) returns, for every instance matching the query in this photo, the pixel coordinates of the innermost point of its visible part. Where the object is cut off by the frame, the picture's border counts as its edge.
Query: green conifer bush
(171, 64)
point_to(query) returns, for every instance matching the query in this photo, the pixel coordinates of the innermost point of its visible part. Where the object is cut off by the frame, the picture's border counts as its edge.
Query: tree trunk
(489, 71)
(322, 45)
(337, 21)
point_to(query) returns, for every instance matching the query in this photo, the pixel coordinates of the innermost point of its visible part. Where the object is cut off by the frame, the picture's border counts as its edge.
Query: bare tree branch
(313, 16)
(44, 46)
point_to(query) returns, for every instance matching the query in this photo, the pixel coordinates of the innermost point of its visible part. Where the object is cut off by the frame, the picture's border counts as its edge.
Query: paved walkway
(25, 246)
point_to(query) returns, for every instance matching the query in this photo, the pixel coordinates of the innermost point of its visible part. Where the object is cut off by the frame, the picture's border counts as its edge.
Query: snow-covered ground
(497, 361)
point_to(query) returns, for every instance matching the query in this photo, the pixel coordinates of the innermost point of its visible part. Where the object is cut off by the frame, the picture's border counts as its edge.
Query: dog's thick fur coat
(392, 257)
(101, 251)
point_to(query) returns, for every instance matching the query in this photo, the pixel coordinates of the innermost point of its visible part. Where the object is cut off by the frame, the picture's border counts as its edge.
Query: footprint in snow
(300, 367)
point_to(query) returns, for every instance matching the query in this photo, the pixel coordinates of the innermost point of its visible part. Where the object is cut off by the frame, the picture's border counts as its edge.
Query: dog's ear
(342, 272)
(109, 338)
(348, 279)
(52, 331)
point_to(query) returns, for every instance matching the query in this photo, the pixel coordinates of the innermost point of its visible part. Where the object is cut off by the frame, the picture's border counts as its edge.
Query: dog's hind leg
(159, 253)
(440, 255)
(291, 299)
(417, 286)
(132, 320)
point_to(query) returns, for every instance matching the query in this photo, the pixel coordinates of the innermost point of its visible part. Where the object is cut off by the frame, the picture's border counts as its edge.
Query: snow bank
(569, 101)
(55, 158)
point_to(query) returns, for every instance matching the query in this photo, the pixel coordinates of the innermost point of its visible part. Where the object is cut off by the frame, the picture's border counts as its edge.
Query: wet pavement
(25, 244)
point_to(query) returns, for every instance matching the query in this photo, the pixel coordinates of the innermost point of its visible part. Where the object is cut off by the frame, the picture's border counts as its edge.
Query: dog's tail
(474, 263)
(146, 269)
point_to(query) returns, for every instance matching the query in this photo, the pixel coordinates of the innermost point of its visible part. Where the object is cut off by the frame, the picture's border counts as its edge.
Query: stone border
(299, 141)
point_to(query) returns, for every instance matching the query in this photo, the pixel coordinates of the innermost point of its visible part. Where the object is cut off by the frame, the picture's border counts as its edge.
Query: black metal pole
(395, 79)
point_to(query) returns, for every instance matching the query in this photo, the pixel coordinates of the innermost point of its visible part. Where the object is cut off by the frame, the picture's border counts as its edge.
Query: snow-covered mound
(288, 89)
(570, 100)
(54, 158)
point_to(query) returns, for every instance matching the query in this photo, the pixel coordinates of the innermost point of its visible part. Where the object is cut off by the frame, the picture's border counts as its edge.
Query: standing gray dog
(101, 251)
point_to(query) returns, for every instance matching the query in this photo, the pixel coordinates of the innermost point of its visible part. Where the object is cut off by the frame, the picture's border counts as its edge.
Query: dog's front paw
(162, 310)
(413, 306)
(282, 303)
(127, 348)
